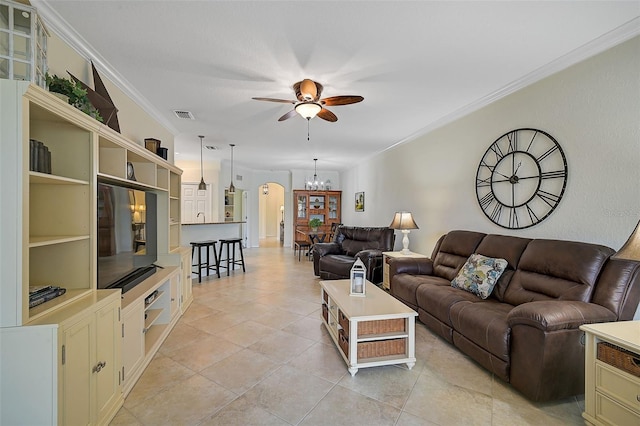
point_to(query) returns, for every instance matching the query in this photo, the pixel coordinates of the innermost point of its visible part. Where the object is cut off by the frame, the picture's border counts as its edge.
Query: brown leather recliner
(333, 260)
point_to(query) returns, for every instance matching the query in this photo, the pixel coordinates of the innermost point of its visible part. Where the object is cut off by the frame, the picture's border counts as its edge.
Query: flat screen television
(127, 235)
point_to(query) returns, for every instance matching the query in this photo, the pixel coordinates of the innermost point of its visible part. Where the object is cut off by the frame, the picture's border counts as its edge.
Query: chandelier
(315, 184)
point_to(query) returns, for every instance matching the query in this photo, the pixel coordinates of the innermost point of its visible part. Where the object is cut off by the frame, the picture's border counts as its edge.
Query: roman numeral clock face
(521, 178)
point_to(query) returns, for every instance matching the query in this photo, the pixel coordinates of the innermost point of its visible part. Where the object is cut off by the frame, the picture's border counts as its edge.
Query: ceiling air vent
(184, 114)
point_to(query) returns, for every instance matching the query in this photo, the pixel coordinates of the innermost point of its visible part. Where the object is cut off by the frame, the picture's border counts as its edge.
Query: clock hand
(506, 177)
(516, 170)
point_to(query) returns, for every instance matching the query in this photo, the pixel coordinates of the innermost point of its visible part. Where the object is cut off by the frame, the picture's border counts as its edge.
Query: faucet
(204, 219)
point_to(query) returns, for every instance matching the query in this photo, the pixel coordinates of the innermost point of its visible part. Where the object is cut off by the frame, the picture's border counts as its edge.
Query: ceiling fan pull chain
(308, 121)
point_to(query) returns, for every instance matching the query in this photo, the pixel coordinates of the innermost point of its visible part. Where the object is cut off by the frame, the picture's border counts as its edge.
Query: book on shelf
(45, 294)
(38, 289)
(39, 157)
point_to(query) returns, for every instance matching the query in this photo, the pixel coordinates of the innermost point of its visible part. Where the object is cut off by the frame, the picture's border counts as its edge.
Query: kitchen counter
(209, 231)
(212, 223)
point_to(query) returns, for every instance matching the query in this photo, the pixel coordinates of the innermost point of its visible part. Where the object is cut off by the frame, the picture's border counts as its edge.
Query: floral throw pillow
(479, 275)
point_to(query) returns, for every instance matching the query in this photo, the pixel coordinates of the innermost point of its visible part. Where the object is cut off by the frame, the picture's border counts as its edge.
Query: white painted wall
(135, 123)
(591, 108)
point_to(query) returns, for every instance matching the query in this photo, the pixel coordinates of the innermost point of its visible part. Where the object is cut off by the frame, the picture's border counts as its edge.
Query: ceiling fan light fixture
(308, 110)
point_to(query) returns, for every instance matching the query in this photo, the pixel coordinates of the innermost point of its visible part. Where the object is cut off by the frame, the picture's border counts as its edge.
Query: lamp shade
(631, 249)
(308, 109)
(403, 220)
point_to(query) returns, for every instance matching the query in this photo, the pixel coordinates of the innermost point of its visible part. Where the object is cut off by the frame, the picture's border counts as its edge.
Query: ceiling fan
(309, 104)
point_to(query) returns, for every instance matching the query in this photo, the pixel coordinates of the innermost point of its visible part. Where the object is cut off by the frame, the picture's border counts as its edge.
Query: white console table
(612, 395)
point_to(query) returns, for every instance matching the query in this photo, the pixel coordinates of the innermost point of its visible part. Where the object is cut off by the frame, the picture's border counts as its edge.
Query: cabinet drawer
(343, 342)
(368, 328)
(620, 358)
(613, 413)
(618, 385)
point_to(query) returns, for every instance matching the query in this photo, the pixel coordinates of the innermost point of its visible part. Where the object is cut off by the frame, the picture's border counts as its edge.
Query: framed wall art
(359, 201)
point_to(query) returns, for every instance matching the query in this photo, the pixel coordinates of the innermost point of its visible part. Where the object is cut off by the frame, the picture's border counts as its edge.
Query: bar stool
(202, 265)
(230, 244)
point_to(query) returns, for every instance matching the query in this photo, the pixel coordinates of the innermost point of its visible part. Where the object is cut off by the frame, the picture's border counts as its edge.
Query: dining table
(313, 236)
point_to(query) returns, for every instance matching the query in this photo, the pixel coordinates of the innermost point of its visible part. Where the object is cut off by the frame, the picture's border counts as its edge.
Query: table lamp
(631, 249)
(404, 222)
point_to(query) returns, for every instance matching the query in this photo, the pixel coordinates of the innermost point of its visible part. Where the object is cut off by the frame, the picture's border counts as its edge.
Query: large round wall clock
(521, 178)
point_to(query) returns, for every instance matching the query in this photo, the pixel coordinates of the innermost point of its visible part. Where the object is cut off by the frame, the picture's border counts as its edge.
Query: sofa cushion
(505, 247)
(351, 247)
(405, 286)
(438, 298)
(455, 249)
(562, 270)
(479, 275)
(485, 324)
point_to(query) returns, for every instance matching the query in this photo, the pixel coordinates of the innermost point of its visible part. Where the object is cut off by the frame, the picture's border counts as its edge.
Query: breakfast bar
(209, 231)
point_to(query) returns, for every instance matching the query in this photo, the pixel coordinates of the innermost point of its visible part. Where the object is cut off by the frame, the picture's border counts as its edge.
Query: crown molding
(71, 37)
(608, 40)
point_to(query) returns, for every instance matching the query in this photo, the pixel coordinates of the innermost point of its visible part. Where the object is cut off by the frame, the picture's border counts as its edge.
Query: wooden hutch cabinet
(323, 205)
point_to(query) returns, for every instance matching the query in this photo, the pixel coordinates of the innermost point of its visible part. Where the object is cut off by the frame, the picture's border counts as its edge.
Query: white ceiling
(418, 64)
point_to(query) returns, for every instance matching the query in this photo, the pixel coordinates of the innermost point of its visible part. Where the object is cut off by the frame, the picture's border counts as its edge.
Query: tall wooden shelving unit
(48, 236)
(308, 204)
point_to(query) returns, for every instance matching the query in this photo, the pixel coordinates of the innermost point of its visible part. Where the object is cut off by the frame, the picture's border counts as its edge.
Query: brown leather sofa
(527, 331)
(333, 260)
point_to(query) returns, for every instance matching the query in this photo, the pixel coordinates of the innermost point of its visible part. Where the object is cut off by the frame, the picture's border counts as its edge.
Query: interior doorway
(196, 204)
(270, 214)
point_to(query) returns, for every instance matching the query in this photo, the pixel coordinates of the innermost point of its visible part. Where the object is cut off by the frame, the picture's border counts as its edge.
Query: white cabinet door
(132, 343)
(77, 362)
(108, 354)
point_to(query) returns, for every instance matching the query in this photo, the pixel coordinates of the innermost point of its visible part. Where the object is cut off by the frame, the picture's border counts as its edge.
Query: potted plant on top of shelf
(314, 224)
(75, 95)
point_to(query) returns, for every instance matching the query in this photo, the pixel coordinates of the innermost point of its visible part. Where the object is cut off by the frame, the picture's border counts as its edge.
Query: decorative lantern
(358, 279)
(23, 43)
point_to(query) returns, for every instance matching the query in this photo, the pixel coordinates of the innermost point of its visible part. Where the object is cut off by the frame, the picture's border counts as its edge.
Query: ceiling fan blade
(325, 114)
(282, 101)
(341, 100)
(287, 115)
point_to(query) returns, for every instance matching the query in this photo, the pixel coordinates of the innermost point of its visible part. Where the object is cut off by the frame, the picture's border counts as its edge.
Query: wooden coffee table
(369, 331)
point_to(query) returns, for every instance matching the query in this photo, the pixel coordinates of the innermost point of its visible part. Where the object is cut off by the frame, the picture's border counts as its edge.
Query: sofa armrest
(408, 265)
(551, 315)
(323, 249)
(366, 255)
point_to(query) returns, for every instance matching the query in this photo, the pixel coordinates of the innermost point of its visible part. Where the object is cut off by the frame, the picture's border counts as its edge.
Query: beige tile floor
(251, 350)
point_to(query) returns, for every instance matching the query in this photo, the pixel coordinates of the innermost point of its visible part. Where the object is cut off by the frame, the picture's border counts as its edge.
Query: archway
(270, 214)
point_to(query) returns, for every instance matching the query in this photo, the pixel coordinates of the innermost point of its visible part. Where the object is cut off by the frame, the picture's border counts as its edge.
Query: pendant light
(315, 185)
(202, 186)
(232, 189)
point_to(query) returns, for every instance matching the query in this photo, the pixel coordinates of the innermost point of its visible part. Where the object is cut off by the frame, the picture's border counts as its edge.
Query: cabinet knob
(99, 366)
